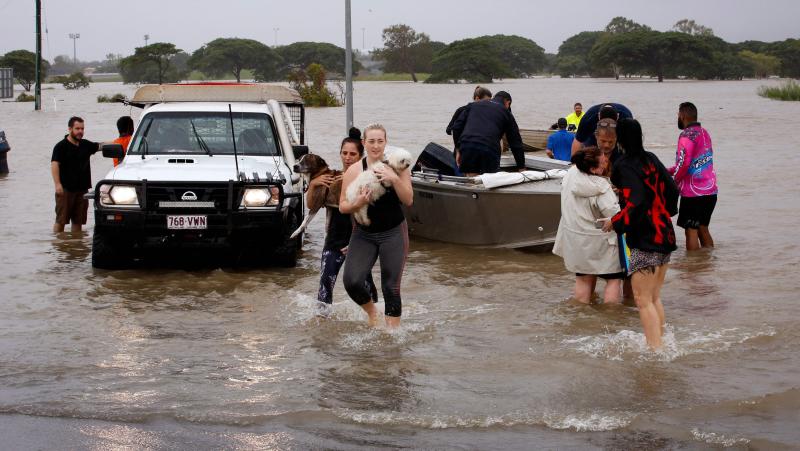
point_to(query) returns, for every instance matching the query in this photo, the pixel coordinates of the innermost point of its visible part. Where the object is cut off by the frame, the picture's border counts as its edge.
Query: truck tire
(109, 253)
(285, 254)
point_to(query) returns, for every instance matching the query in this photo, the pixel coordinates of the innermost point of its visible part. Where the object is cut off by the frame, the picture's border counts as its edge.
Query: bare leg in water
(374, 317)
(661, 272)
(705, 237)
(692, 240)
(584, 288)
(611, 294)
(392, 322)
(645, 289)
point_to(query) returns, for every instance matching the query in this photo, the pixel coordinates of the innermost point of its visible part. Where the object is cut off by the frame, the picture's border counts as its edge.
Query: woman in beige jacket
(584, 240)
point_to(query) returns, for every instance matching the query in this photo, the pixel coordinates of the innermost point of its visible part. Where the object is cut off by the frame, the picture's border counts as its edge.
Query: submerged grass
(789, 90)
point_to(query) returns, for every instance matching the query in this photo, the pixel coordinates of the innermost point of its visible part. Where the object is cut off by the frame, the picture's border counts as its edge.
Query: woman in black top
(648, 200)
(385, 238)
(338, 229)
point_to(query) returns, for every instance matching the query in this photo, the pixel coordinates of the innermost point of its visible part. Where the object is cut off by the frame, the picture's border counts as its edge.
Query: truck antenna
(233, 137)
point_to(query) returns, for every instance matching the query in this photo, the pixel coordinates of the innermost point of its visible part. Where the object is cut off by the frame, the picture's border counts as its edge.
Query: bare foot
(372, 312)
(392, 322)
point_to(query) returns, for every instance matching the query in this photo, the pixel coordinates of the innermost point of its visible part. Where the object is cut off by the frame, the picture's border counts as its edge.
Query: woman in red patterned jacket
(648, 200)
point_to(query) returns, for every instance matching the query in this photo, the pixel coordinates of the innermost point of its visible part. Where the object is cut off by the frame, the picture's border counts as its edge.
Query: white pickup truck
(208, 165)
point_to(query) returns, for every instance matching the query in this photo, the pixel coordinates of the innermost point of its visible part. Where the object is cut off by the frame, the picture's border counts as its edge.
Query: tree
(63, 64)
(152, 64)
(621, 24)
(24, 64)
(789, 53)
(691, 27)
(230, 56)
(316, 92)
(472, 60)
(619, 53)
(573, 54)
(302, 54)
(404, 50)
(763, 65)
(76, 80)
(522, 55)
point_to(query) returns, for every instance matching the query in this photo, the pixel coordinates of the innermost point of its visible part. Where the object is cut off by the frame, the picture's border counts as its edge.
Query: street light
(363, 38)
(276, 30)
(146, 38)
(74, 37)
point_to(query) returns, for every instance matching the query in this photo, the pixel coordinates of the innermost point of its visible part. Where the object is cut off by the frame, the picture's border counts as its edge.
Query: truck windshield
(194, 133)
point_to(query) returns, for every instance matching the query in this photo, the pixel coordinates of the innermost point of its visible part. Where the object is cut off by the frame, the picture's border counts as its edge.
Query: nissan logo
(189, 195)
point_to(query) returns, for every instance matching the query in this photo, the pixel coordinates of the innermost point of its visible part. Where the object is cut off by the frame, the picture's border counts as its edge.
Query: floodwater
(489, 355)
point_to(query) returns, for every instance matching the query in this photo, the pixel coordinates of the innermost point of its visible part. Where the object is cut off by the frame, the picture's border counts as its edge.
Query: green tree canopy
(154, 63)
(691, 27)
(404, 50)
(523, 56)
(230, 56)
(24, 64)
(789, 53)
(621, 24)
(472, 60)
(300, 55)
(763, 65)
(573, 54)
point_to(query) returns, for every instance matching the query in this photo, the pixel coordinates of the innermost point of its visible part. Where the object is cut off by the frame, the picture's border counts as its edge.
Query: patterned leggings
(331, 263)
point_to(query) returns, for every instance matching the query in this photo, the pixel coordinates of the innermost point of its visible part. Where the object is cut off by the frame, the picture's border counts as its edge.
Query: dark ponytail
(354, 137)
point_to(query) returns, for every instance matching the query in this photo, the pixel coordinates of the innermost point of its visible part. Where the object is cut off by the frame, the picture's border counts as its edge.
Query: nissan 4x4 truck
(209, 165)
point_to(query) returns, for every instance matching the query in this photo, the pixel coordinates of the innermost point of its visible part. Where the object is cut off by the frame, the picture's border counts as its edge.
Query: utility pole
(348, 65)
(38, 90)
(276, 30)
(74, 37)
(146, 38)
(363, 38)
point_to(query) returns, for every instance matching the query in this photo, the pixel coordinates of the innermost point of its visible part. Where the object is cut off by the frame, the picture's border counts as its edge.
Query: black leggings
(364, 250)
(330, 264)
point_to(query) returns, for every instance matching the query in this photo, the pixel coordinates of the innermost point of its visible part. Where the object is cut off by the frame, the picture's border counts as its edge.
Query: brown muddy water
(490, 355)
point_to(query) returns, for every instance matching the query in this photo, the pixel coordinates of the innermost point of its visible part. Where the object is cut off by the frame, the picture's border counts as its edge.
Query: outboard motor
(437, 158)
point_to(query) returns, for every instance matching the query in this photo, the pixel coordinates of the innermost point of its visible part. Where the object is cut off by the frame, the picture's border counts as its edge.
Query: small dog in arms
(398, 159)
(312, 166)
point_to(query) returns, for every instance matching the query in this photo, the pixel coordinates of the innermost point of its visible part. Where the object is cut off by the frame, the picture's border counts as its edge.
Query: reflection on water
(489, 351)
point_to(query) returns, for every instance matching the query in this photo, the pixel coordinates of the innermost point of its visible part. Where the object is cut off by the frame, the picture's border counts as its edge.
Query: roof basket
(214, 92)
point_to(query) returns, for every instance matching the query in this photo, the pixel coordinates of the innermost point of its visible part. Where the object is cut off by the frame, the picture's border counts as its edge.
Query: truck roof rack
(214, 92)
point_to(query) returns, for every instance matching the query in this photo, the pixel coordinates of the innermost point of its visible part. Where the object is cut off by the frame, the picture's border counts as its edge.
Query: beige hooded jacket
(585, 248)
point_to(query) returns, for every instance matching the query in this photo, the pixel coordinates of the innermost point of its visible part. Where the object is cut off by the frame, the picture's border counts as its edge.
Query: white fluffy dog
(398, 159)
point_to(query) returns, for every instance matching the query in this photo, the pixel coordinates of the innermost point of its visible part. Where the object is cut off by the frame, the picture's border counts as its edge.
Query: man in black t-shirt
(585, 136)
(72, 176)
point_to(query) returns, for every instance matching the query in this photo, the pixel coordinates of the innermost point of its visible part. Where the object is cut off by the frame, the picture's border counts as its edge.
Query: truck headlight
(261, 197)
(118, 195)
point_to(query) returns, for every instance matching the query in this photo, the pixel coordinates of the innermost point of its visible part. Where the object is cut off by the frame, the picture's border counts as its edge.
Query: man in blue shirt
(559, 144)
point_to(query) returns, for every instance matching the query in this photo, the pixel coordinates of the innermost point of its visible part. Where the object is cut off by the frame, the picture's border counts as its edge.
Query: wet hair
(629, 138)
(606, 124)
(375, 126)
(688, 110)
(354, 137)
(608, 111)
(125, 125)
(577, 104)
(71, 122)
(481, 93)
(503, 95)
(587, 159)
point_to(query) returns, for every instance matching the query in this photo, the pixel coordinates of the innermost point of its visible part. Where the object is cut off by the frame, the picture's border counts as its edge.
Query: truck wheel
(109, 253)
(285, 253)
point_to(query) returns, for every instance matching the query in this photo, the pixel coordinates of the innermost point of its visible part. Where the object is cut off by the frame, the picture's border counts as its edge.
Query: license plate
(187, 222)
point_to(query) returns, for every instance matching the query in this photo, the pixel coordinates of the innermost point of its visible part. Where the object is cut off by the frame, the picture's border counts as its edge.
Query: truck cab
(208, 165)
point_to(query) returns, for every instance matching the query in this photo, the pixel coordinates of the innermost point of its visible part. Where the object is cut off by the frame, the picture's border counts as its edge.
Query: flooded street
(489, 356)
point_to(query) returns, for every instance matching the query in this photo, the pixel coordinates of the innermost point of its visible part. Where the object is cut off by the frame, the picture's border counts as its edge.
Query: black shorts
(478, 159)
(612, 276)
(696, 211)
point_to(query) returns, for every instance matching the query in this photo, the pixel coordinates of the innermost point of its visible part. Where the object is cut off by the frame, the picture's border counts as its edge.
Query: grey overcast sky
(114, 26)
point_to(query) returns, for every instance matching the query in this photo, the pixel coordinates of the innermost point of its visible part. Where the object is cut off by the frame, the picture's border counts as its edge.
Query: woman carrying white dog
(386, 237)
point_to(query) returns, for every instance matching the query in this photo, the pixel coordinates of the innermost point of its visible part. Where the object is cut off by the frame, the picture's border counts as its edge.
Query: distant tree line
(626, 48)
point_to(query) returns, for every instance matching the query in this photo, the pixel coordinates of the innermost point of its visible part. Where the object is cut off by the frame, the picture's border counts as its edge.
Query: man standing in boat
(477, 133)
(574, 118)
(480, 93)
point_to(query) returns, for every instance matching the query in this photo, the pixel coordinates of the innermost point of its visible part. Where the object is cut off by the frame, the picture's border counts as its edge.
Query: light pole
(348, 65)
(276, 30)
(146, 38)
(363, 38)
(74, 37)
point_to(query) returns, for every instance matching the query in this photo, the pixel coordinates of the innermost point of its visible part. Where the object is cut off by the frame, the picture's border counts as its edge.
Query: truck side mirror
(112, 151)
(299, 150)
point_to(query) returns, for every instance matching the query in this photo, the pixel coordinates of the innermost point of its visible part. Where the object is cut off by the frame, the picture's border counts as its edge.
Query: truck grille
(194, 197)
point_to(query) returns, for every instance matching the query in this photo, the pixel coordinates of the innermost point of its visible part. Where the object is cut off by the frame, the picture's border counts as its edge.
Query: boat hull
(518, 216)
